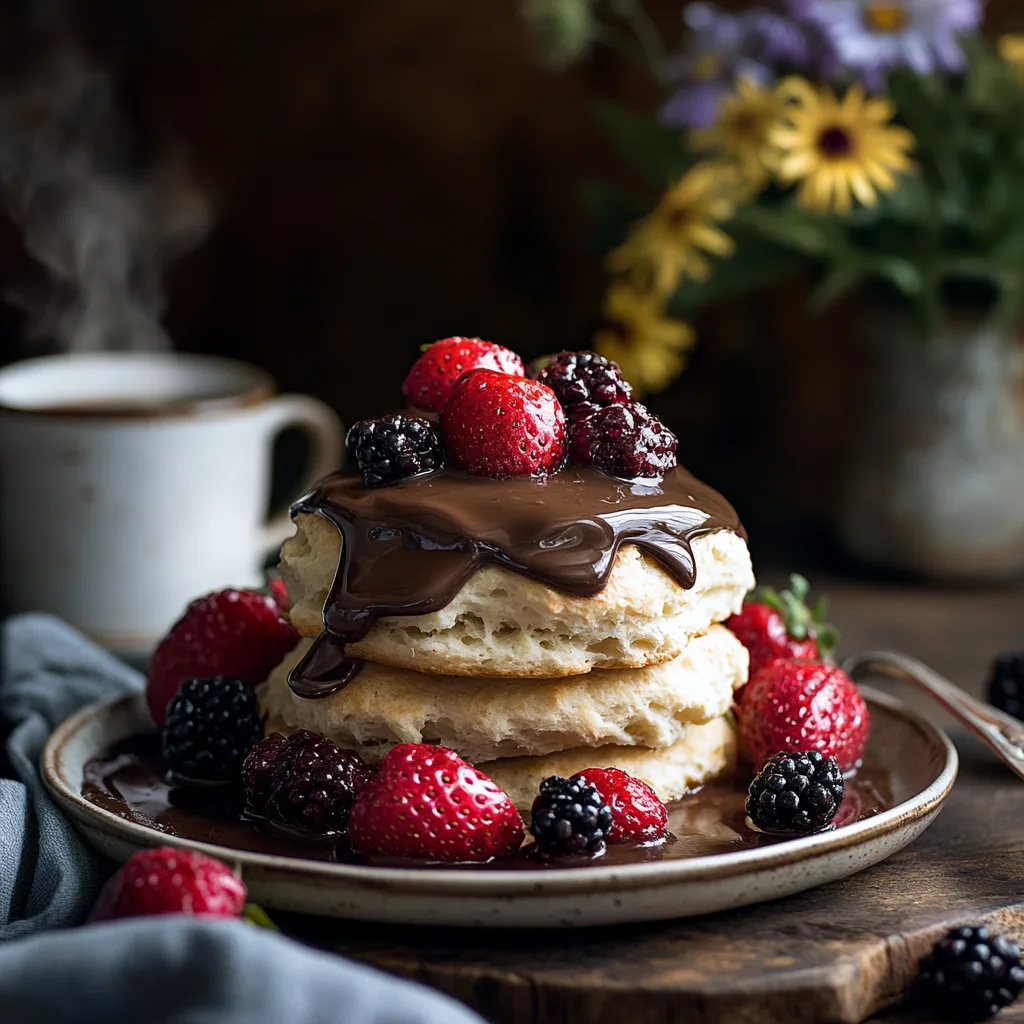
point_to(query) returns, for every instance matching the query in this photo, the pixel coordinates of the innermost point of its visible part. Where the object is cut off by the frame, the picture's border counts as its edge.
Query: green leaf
(793, 228)
(657, 152)
(826, 637)
(836, 284)
(910, 201)
(562, 31)
(255, 915)
(1010, 249)
(756, 264)
(799, 586)
(825, 634)
(1010, 303)
(899, 272)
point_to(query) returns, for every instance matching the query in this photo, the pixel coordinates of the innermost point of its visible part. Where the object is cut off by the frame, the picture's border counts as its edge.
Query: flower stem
(647, 35)
(623, 44)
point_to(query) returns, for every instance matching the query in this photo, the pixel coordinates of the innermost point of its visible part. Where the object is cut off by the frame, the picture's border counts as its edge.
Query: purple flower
(706, 72)
(723, 47)
(799, 10)
(871, 37)
(819, 57)
(776, 39)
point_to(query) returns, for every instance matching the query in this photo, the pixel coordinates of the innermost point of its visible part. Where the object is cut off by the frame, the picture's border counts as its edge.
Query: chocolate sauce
(131, 782)
(409, 548)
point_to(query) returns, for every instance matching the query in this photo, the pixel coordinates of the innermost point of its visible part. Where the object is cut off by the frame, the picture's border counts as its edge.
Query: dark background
(385, 174)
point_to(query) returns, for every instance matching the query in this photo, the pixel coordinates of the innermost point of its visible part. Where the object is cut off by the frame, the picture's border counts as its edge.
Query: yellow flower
(647, 345)
(670, 241)
(741, 130)
(1011, 49)
(838, 149)
(885, 17)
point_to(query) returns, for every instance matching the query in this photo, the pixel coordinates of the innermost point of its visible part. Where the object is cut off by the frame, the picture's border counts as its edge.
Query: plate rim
(499, 882)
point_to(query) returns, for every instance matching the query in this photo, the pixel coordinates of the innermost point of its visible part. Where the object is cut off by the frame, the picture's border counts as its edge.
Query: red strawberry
(802, 705)
(502, 426)
(234, 633)
(772, 625)
(168, 881)
(637, 813)
(426, 803)
(433, 376)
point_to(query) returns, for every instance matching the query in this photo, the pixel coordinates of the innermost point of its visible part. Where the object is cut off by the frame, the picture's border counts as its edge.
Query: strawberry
(772, 625)
(234, 633)
(426, 803)
(793, 705)
(433, 376)
(169, 881)
(637, 813)
(501, 426)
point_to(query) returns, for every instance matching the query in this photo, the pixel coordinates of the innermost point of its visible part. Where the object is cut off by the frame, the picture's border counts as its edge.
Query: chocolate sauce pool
(408, 548)
(131, 782)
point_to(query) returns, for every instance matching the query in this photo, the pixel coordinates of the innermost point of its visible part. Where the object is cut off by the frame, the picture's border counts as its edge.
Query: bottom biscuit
(704, 752)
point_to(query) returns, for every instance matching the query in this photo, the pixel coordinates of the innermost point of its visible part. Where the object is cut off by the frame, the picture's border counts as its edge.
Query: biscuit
(703, 753)
(504, 624)
(482, 719)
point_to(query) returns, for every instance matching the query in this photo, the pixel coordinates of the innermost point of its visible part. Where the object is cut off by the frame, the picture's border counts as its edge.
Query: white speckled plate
(921, 762)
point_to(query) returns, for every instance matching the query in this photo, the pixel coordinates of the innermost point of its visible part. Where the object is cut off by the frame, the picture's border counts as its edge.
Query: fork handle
(998, 730)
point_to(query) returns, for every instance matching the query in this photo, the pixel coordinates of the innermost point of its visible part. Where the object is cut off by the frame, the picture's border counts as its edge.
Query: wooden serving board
(841, 953)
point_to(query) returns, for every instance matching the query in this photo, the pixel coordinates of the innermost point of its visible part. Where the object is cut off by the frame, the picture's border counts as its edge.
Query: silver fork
(1003, 733)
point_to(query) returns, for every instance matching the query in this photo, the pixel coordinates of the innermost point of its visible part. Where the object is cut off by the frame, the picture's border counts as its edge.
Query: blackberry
(1006, 683)
(970, 975)
(211, 726)
(795, 793)
(569, 816)
(303, 780)
(577, 377)
(623, 440)
(393, 447)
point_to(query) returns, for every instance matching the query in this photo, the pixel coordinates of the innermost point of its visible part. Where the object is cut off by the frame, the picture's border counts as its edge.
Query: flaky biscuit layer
(502, 624)
(701, 754)
(485, 718)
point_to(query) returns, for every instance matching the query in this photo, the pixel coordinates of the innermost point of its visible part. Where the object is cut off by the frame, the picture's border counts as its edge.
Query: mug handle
(322, 426)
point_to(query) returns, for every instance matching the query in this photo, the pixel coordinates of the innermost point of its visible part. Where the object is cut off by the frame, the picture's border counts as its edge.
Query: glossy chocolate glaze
(409, 548)
(131, 782)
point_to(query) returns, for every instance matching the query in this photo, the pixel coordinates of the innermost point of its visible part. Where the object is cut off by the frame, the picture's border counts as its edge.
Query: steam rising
(101, 227)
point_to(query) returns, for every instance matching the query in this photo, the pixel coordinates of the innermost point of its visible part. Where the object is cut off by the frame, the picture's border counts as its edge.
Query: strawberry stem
(800, 620)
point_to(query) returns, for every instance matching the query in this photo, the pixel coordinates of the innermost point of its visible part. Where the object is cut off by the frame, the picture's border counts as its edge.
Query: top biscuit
(503, 624)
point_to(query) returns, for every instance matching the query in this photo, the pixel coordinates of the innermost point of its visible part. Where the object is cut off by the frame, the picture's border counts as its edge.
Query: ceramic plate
(918, 758)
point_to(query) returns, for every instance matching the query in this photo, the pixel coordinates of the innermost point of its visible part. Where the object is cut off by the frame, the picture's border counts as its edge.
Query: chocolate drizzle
(131, 782)
(407, 549)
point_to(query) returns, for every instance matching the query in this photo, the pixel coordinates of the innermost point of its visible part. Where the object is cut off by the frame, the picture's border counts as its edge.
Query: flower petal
(861, 187)
(712, 240)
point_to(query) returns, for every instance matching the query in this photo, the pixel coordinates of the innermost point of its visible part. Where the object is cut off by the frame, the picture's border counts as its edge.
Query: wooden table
(839, 953)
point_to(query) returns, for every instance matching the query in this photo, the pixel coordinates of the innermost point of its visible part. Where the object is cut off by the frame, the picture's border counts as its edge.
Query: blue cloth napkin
(168, 970)
(48, 671)
(187, 971)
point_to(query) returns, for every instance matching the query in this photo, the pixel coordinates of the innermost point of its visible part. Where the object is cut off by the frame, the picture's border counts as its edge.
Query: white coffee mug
(131, 483)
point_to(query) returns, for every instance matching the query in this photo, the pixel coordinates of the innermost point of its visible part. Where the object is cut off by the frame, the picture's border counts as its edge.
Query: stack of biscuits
(525, 681)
